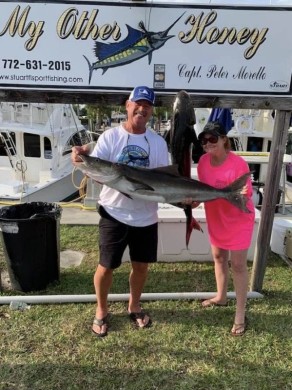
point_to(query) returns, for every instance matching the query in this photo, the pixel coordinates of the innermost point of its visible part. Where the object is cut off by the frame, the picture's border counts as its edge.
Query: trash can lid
(31, 210)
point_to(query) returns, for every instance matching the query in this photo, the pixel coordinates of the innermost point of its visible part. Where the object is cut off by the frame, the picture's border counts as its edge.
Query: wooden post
(280, 133)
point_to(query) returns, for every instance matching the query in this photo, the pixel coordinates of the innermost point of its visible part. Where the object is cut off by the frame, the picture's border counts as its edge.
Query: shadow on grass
(184, 373)
(163, 277)
(212, 319)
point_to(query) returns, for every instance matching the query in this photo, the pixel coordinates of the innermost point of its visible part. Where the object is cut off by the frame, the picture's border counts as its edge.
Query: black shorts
(115, 236)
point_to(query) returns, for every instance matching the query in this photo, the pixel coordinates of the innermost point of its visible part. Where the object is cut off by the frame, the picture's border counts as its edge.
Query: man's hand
(79, 150)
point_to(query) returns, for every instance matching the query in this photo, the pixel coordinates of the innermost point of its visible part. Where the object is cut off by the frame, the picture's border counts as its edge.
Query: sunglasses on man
(213, 139)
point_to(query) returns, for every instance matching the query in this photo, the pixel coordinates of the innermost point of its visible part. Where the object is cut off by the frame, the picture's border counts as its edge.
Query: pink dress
(229, 228)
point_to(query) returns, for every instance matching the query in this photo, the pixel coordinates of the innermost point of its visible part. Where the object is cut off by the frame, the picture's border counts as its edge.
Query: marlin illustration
(137, 44)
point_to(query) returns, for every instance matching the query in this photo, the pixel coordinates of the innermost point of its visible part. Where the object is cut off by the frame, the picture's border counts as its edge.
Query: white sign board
(108, 46)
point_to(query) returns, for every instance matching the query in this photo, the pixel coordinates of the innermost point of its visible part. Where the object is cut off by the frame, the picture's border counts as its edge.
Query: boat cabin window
(80, 138)
(47, 148)
(7, 142)
(254, 144)
(289, 144)
(32, 145)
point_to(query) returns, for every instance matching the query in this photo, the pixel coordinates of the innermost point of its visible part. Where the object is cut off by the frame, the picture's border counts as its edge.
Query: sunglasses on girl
(213, 139)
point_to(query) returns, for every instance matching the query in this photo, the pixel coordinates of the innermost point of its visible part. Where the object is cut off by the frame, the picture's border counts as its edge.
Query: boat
(35, 145)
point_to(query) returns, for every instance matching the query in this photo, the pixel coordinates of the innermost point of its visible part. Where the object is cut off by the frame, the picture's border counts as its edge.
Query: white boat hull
(35, 147)
(54, 190)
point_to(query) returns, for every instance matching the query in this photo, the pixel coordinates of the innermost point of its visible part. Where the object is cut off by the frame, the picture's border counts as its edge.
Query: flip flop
(134, 317)
(210, 303)
(100, 323)
(239, 329)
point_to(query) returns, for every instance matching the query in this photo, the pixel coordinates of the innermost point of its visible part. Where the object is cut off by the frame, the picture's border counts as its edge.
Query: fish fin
(144, 49)
(234, 196)
(196, 225)
(138, 185)
(127, 195)
(91, 68)
(191, 223)
(169, 169)
(149, 58)
(106, 50)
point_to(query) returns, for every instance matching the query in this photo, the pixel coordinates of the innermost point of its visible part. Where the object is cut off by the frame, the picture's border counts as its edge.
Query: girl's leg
(240, 280)
(220, 257)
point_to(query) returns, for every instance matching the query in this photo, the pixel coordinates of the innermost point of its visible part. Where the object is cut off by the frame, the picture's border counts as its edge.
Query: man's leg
(137, 281)
(143, 243)
(112, 242)
(102, 283)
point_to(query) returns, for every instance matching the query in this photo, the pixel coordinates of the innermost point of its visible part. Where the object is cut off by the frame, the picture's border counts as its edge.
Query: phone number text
(36, 64)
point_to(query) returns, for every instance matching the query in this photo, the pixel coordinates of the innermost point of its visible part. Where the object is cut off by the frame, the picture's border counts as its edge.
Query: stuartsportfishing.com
(47, 78)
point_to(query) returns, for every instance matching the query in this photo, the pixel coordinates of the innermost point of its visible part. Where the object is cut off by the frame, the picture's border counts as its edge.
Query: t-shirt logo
(134, 155)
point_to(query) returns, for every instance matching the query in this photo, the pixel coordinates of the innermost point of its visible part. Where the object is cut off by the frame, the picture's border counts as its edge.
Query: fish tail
(234, 195)
(191, 223)
(91, 68)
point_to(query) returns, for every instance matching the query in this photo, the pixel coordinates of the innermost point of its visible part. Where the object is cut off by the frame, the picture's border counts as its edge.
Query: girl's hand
(190, 202)
(244, 190)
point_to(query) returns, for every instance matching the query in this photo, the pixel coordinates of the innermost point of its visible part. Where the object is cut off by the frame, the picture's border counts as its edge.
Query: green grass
(50, 347)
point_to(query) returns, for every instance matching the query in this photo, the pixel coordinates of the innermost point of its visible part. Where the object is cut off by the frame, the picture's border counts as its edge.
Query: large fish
(161, 185)
(181, 139)
(137, 44)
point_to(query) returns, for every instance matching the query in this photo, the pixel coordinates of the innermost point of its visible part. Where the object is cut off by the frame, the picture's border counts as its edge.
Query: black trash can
(31, 241)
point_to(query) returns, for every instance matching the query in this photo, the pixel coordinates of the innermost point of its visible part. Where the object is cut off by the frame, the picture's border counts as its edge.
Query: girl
(230, 229)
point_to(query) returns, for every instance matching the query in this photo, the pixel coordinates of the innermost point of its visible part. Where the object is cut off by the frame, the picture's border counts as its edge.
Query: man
(124, 221)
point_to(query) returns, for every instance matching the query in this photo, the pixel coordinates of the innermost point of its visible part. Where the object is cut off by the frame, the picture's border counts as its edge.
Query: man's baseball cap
(142, 93)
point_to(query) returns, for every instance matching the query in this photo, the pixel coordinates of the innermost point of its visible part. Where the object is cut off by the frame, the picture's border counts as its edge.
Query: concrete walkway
(79, 216)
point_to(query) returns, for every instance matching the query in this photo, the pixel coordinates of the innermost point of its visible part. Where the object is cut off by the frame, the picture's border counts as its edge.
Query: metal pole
(43, 299)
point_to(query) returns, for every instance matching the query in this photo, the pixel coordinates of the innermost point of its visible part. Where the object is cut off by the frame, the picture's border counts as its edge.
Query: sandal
(211, 303)
(100, 323)
(239, 329)
(134, 317)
